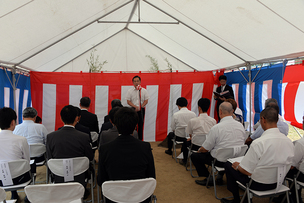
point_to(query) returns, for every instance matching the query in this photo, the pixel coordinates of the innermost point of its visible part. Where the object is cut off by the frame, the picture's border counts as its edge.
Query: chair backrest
(36, 150)
(270, 174)
(198, 139)
(301, 167)
(50, 193)
(127, 191)
(94, 136)
(223, 154)
(2, 194)
(18, 167)
(80, 165)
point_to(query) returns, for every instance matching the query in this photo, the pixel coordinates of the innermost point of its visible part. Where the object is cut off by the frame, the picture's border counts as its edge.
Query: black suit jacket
(227, 87)
(68, 143)
(125, 158)
(89, 120)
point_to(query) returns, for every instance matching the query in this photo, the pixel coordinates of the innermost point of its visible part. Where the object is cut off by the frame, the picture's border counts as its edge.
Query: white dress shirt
(133, 96)
(200, 125)
(299, 153)
(13, 147)
(180, 121)
(33, 132)
(227, 133)
(272, 148)
(283, 127)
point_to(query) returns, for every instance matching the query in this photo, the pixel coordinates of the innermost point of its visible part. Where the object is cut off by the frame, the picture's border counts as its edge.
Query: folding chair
(222, 155)
(38, 150)
(3, 197)
(267, 175)
(49, 193)
(129, 191)
(17, 168)
(174, 155)
(80, 165)
(296, 183)
(195, 140)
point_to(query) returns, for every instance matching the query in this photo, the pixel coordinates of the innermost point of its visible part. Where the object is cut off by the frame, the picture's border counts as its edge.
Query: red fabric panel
(293, 76)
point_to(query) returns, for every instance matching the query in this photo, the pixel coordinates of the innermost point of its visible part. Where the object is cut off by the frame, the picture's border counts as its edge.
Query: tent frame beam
(87, 50)
(191, 28)
(31, 56)
(135, 22)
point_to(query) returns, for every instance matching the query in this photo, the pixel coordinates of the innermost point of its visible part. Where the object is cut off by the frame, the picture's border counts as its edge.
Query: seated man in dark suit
(114, 103)
(112, 133)
(125, 158)
(69, 142)
(88, 119)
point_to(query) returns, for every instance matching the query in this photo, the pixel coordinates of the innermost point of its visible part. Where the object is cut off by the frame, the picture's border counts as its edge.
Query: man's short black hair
(6, 117)
(182, 102)
(78, 110)
(112, 113)
(223, 77)
(68, 114)
(126, 120)
(115, 103)
(270, 114)
(204, 103)
(85, 102)
(38, 119)
(273, 105)
(136, 76)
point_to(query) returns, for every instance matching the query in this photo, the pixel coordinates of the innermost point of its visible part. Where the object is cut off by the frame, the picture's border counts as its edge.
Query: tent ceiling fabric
(209, 35)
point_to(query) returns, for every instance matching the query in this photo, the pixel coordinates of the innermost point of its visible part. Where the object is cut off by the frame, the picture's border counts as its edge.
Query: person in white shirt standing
(12, 147)
(179, 123)
(200, 125)
(137, 98)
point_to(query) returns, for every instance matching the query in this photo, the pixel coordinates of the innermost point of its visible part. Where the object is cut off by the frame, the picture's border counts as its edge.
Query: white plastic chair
(38, 150)
(50, 193)
(267, 175)
(222, 155)
(18, 168)
(129, 191)
(80, 165)
(195, 140)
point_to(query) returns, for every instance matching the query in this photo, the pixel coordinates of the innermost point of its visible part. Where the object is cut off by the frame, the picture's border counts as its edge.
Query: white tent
(56, 35)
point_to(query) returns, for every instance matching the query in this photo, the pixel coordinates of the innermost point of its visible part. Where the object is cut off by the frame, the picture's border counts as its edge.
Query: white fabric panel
(101, 102)
(49, 106)
(282, 99)
(264, 94)
(175, 93)
(17, 93)
(247, 103)
(7, 97)
(298, 106)
(124, 90)
(197, 93)
(75, 94)
(151, 113)
(212, 104)
(25, 98)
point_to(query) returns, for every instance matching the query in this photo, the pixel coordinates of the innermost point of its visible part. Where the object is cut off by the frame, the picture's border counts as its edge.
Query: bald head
(225, 109)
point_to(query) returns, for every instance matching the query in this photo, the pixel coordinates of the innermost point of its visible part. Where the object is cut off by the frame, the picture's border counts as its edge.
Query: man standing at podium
(137, 98)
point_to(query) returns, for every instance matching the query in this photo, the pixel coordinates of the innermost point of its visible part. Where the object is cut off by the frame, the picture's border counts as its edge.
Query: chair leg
(98, 194)
(174, 149)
